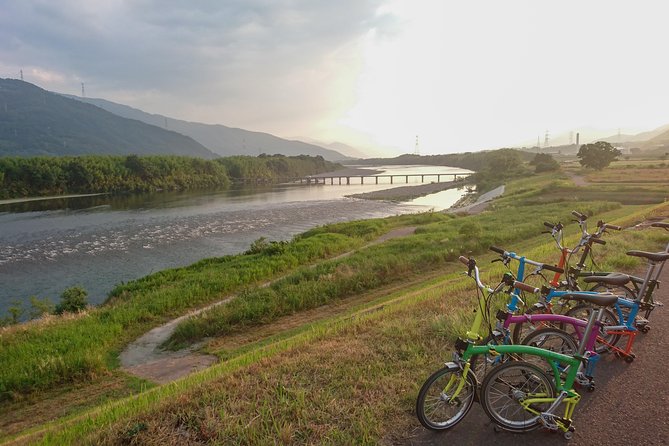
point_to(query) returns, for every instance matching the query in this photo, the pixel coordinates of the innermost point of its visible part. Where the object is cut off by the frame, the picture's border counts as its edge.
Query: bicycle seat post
(595, 316)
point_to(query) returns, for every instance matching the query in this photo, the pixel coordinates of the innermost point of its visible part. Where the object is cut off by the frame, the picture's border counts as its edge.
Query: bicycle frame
(466, 349)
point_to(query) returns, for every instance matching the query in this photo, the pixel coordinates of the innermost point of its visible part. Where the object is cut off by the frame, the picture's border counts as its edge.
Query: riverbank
(405, 193)
(52, 197)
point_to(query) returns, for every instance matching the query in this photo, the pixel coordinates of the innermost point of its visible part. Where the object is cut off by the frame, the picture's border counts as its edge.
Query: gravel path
(629, 406)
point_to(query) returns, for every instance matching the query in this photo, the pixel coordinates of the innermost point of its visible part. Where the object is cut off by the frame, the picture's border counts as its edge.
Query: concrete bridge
(335, 179)
(374, 179)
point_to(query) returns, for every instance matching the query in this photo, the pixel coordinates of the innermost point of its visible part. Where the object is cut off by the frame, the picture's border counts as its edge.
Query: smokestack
(578, 137)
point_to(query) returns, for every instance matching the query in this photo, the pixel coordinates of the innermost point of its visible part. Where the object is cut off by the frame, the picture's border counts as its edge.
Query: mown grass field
(347, 377)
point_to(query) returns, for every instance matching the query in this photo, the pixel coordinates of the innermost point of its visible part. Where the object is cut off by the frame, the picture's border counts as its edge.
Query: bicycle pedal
(658, 304)
(641, 321)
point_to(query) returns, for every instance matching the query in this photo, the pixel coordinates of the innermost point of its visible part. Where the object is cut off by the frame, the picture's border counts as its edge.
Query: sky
(379, 75)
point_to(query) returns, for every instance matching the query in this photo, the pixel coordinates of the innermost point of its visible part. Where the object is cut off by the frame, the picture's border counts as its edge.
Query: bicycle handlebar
(603, 225)
(549, 225)
(471, 265)
(497, 250)
(578, 215)
(525, 287)
(598, 241)
(555, 269)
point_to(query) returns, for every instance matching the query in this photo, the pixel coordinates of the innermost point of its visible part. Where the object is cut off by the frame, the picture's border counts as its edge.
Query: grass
(336, 384)
(42, 354)
(312, 383)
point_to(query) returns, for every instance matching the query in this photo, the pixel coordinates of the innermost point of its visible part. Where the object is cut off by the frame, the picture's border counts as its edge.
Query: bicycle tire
(434, 409)
(552, 339)
(583, 311)
(523, 329)
(505, 386)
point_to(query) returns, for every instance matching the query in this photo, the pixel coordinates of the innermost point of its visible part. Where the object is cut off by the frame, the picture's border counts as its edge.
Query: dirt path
(629, 406)
(145, 358)
(579, 180)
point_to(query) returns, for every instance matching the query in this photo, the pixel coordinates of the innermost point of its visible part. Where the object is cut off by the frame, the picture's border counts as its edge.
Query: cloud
(233, 62)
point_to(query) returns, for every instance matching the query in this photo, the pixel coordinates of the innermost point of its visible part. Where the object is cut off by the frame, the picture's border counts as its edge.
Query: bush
(73, 300)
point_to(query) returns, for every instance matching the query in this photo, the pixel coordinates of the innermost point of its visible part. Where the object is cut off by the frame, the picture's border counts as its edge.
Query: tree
(597, 155)
(544, 162)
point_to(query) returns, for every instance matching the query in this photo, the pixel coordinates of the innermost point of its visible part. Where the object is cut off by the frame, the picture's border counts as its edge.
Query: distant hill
(37, 122)
(659, 142)
(588, 135)
(222, 140)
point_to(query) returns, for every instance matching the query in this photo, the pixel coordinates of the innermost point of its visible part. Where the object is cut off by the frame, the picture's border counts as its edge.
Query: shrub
(73, 300)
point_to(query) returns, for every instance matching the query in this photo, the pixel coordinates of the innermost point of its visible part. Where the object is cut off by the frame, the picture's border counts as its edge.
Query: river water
(98, 242)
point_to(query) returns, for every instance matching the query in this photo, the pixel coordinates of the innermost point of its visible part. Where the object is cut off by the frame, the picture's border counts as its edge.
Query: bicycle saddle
(599, 299)
(610, 279)
(653, 256)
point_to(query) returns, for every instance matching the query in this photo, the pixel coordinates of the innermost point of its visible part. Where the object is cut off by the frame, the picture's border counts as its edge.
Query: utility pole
(83, 92)
(416, 149)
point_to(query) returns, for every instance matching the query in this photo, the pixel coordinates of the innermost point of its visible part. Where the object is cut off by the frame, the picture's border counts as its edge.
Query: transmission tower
(546, 139)
(21, 74)
(416, 150)
(83, 92)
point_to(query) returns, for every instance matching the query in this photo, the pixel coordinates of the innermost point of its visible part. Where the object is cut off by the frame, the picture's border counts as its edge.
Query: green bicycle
(517, 395)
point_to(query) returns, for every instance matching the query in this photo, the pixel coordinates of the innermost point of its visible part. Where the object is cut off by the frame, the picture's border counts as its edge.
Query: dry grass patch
(350, 388)
(650, 174)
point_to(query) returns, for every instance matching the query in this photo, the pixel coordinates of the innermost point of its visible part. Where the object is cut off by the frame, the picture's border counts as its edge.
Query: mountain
(222, 140)
(340, 147)
(36, 122)
(588, 135)
(659, 142)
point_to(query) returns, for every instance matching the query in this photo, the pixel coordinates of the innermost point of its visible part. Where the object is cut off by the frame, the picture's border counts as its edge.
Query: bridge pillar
(422, 178)
(362, 179)
(407, 179)
(348, 180)
(377, 180)
(391, 179)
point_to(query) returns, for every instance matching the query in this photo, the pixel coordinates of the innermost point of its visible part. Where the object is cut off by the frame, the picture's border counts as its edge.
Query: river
(100, 241)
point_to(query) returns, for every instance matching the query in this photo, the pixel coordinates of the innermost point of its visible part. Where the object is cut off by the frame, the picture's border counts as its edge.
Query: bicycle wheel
(552, 339)
(507, 386)
(522, 330)
(583, 311)
(481, 364)
(436, 407)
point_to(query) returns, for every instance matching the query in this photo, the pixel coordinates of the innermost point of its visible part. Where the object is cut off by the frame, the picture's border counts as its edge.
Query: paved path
(629, 407)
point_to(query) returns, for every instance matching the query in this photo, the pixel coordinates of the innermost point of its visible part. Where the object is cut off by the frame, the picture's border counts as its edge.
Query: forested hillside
(36, 122)
(39, 176)
(222, 140)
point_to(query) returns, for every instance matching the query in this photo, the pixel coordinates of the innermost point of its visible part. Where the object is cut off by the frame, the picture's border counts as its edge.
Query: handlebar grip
(614, 227)
(497, 250)
(464, 260)
(555, 269)
(525, 287)
(599, 241)
(579, 215)
(549, 225)
(660, 224)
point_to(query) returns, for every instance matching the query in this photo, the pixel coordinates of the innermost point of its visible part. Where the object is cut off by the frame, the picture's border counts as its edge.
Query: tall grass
(42, 354)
